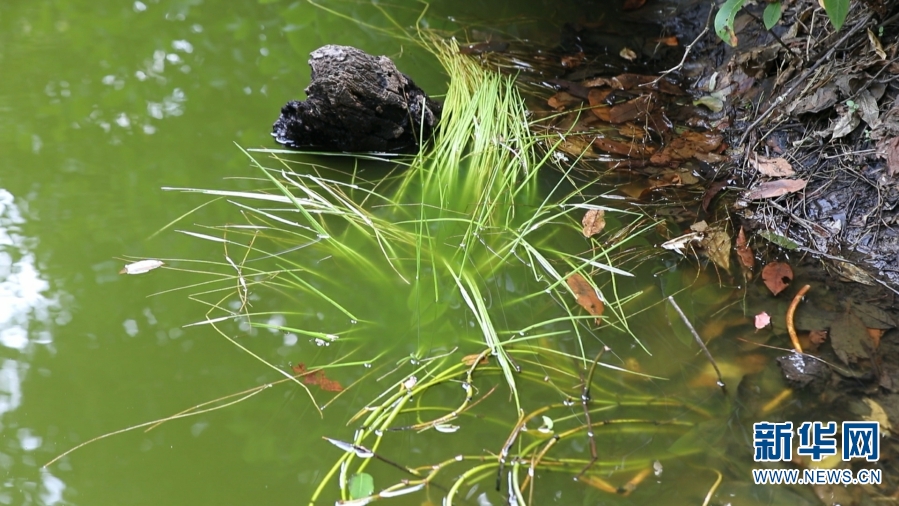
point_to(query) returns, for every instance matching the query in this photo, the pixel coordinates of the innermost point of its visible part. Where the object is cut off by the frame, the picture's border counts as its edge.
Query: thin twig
(791, 329)
(687, 48)
(701, 344)
(585, 402)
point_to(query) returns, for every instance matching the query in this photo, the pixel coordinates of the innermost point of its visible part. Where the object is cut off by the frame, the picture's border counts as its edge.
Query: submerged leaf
(717, 246)
(777, 276)
(361, 485)
(744, 252)
(594, 221)
(762, 320)
(586, 295)
(847, 335)
(141, 267)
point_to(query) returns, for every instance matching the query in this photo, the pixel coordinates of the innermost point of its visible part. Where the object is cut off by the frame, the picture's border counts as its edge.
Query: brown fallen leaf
(635, 109)
(771, 189)
(628, 54)
(684, 147)
(744, 252)
(629, 149)
(594, 221)
(875, 335)
(573, 60)
(717, 246)
(586, 295)
(469, 360)
(632, 5)
(645, 83)
(777, 276)
(670, 41)
(889, 150)
(710, 193)
(597, 99)
(847, 335)
(772, 167)
(562, 100)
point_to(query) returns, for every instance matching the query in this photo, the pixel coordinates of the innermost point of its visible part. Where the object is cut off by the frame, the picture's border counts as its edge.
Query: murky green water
(103, 103)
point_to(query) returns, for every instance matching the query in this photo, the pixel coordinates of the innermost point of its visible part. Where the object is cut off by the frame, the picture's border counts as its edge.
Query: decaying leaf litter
(788, 144)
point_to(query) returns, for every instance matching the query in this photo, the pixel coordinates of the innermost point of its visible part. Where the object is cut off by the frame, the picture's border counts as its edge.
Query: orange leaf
(594, 221)
(744, 253)
(586, 295)
(777, 276)
(469, 360)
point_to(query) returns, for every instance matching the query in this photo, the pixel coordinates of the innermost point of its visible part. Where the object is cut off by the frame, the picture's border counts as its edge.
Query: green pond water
(103, 104)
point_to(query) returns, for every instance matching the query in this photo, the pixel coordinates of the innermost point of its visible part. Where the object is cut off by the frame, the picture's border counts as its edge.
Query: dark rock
(357, 102)
(804, 371)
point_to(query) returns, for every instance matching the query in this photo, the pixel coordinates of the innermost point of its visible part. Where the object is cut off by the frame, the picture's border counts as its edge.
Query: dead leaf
(762, 320)
(628, 54)
(684, 147)
(645, 83)
(469, 360)
(629, 149)
(771, 189)
(597, 97)
(710, 193)
(717, 246)
(587, 297)
(847, 333)
(772, 167)
(679, 244)
(823, 98)
(817, 336)
(670, 41)
(712, 102)
(635, 109)
(868, 109)
(878, 415)
(889, 150)
(575, 145)
(562, 100)
(141, 267)
(876, 45)
(632, 5)
(594, 221)
(633, 131)
(744, 252)
(777, 276)
(875, 335)
(845, 122)
(852, 272)
(573, 60)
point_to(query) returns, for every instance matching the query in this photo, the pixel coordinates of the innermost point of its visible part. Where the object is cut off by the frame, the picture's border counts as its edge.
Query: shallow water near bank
(113, 101)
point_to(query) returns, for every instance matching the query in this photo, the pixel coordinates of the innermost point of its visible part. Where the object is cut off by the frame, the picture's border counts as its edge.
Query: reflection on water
(25, 313)
(23, 292)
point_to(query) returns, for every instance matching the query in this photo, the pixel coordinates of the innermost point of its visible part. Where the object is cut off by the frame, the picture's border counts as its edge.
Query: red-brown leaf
(744, 253)
(777, 276)
(594, 221)
(586, 295)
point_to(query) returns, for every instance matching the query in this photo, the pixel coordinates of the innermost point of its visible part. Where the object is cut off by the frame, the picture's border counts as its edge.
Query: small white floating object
(141, 267)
